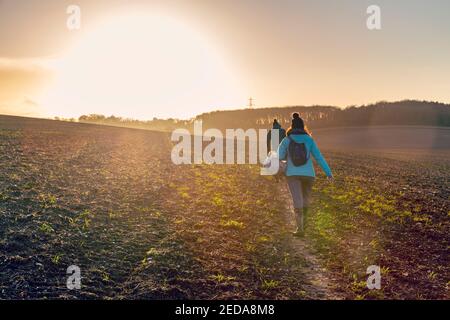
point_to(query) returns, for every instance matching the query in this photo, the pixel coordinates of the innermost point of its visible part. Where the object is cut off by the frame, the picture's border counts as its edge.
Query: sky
(174, 58)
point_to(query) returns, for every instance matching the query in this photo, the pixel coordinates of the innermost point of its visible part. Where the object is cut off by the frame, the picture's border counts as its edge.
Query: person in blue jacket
(300, 179)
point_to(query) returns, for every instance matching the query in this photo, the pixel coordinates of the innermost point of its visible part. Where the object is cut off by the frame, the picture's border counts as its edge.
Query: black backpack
(297, 152)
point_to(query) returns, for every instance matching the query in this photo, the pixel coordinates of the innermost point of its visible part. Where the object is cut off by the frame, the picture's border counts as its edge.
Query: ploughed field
(110, 201)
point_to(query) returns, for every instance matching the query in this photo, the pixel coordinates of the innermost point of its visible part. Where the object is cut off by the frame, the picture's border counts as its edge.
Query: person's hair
(298, 124)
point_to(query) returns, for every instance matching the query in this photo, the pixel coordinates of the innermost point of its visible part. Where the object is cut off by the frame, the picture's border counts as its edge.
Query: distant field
(403, 138)
(110, 201)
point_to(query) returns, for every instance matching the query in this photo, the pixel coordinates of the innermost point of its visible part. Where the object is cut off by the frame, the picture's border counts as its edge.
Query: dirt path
(320, 284)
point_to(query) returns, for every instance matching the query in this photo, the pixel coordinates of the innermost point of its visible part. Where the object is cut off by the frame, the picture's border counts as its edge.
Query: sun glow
(141, 66)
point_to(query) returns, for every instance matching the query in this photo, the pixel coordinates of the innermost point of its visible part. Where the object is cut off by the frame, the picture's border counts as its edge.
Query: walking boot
(305, 217)
(299, 219)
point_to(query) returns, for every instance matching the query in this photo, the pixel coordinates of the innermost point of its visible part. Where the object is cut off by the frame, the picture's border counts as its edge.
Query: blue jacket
(312, 149)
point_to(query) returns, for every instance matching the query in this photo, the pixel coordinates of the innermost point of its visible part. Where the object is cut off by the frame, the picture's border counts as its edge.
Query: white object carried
(272, 165)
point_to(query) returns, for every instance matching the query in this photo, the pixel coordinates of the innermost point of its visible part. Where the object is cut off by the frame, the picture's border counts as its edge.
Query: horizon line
(228, 110)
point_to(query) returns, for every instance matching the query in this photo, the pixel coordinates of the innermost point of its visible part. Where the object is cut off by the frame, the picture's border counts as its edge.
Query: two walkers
(297, 146)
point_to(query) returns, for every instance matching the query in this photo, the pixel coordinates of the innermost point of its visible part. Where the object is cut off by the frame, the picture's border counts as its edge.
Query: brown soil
(110, 201)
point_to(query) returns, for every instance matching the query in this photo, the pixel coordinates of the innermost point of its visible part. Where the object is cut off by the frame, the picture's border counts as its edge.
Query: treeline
(382, 113)
(155, 124)
(408, 112)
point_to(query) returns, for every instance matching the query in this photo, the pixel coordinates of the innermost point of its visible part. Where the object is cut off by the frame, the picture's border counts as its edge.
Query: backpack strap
(290, 140)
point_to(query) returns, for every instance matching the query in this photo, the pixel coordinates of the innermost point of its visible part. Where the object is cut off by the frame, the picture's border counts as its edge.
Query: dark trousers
(300, 188)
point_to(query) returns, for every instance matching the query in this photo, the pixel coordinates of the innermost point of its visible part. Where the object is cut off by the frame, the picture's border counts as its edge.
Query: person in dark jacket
(281, 135)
